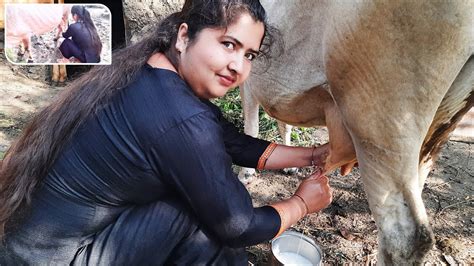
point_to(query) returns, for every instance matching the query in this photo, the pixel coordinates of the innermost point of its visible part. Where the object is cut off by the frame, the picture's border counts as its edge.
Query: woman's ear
(182, 38)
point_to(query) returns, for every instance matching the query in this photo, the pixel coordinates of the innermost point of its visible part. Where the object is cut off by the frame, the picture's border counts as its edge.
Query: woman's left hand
(319, 155)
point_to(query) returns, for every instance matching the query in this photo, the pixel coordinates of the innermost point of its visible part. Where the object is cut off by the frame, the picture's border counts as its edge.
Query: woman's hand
(319, 154)
(315, 192)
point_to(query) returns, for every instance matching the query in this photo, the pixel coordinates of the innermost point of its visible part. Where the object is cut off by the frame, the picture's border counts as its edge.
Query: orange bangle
(263, 159)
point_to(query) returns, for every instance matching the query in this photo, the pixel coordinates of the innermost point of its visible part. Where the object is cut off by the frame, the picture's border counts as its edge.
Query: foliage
(231, 108)
(10, 54)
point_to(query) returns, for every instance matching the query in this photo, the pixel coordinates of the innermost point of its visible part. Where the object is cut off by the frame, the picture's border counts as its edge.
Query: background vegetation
(231, 107)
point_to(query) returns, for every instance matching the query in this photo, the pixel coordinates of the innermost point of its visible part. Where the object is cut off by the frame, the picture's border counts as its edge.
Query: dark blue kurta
(154, 158)
(80, 46)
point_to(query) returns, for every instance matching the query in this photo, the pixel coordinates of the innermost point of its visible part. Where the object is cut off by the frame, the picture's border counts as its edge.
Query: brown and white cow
(26, 20)
(390, 80)
(29, 19)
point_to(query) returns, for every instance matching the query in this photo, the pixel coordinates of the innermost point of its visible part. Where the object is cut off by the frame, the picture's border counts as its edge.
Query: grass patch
(11, 55)
(231, 107)
(4, 123)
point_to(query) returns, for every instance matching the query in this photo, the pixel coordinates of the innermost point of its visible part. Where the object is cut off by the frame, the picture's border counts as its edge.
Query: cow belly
(2, 6)
(313, 107)
(295, 107)
(22, 20)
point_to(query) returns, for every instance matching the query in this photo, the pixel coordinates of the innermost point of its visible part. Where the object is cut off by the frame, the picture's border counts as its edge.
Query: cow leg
(388, 140)
(55, 75)
(387, 149)
(456, 103)
(22, 49)
(58, 75)
(389, 171)
(391, 181)
(27, 52)
(250, 109)
(285, 133)
(388, 92)
(62, 73)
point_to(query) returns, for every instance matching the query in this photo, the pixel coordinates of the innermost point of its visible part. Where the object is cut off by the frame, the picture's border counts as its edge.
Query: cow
(390, 80)
(26, 20)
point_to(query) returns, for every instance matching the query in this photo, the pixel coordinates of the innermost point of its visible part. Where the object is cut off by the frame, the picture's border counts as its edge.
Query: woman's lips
(226, 80)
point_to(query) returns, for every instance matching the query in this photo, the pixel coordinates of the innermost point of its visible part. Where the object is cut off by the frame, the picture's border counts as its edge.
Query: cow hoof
(53, 83)
(57, 83)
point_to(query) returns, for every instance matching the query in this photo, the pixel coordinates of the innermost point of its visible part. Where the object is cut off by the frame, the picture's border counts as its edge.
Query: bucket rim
(291, 233)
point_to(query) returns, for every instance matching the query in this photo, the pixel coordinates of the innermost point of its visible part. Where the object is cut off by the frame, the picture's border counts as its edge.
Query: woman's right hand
(315, 192)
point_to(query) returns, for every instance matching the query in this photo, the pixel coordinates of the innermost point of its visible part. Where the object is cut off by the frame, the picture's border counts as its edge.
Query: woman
(84, 45)
(132, 164)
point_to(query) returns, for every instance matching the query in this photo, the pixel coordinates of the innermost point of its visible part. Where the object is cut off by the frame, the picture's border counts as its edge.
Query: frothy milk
(290, 258)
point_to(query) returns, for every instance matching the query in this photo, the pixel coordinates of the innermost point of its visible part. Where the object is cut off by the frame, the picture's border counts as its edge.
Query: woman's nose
(237, 64)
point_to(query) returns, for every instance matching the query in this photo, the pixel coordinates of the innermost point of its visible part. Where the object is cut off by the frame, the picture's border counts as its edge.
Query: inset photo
(37, 34)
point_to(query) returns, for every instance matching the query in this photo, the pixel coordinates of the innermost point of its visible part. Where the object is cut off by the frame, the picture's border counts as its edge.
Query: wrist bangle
(304, 203)
(262, 161)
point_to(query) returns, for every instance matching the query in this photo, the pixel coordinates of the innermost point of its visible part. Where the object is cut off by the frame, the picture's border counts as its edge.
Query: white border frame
(5, 23)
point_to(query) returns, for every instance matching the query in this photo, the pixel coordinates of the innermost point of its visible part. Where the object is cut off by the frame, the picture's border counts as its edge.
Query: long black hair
(29, 159)
(85, 17)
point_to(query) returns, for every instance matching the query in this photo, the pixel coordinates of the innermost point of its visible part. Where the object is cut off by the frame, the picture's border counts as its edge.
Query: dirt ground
(45, 49)
(345, 231)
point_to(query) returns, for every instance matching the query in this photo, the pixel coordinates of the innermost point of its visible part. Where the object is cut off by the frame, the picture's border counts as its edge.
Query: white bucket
(293, 248)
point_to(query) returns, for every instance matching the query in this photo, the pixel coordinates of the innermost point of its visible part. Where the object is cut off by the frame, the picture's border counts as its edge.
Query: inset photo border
(58, 34)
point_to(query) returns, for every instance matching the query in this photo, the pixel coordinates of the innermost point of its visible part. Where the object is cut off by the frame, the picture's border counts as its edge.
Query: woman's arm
(256, 153)
(312, 195)
(244, 149)
(70, 31)
(280, 156)
(191, 159)
(287, 156)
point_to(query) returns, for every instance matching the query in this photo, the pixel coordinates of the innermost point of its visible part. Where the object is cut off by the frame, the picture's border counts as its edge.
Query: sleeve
(70, 31)
(245, 150)
(192, 159)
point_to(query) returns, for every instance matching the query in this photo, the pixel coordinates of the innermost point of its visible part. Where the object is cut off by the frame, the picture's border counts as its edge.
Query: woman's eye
(228, 45)
(250, 56)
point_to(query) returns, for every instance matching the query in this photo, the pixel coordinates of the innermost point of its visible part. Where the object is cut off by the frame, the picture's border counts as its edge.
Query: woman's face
(219, 59)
